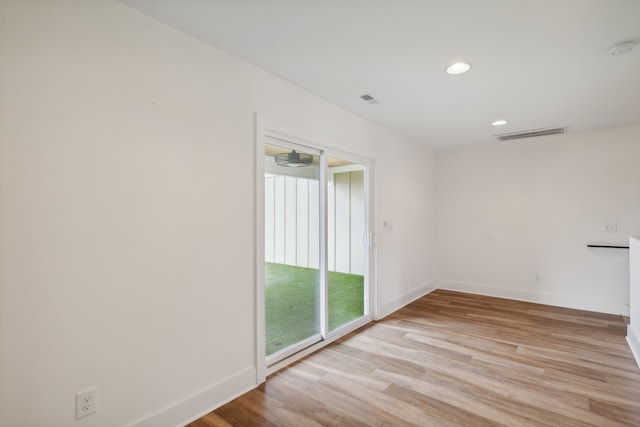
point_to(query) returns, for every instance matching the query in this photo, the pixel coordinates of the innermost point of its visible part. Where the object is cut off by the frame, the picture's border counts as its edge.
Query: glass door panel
(292, 250)
(347, 241)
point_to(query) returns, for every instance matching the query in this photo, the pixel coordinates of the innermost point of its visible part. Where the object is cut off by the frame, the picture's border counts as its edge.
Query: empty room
(316, 213)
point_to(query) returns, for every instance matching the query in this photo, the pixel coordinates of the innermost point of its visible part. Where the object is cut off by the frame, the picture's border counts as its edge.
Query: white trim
(391, 306)
(261, 345)
(184, 411)
(634, 344)
(548, 298)
(324, 247)
(634, 297)
(374, 301)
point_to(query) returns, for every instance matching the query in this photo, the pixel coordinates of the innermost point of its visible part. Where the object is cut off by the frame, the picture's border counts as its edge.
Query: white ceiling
(536, 63)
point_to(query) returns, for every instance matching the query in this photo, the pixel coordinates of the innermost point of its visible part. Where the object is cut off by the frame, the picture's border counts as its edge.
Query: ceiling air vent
(368, 98)
(531, 133)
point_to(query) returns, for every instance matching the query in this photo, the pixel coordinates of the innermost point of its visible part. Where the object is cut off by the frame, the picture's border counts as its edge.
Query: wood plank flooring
(455, 359)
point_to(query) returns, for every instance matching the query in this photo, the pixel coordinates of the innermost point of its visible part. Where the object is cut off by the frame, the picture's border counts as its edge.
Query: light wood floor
(454, 359)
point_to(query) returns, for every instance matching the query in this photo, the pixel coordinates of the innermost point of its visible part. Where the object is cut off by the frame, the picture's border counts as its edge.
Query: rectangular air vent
(531, 133)
(368, 98)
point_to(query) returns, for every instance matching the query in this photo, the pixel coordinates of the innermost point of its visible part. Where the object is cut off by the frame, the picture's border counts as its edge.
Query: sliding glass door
(315, 247)
(292, 250)
(347, 241)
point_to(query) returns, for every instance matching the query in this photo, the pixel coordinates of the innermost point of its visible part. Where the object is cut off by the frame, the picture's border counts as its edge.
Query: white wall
(406, 179)
(127, 260)
(510, 211)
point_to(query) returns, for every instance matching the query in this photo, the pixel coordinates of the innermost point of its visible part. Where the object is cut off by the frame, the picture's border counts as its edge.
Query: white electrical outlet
(610, 227)
(85, 403)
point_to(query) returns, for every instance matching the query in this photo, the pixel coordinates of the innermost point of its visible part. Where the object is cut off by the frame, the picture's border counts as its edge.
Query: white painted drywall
(513, 210)
(127, 258)
(633, 330)
(406, 179)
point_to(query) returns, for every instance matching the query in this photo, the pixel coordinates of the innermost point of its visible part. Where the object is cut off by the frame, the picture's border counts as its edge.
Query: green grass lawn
(291, 297)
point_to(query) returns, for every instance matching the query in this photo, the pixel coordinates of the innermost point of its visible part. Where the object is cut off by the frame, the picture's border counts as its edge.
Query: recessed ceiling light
(499, 123)
(459, 68)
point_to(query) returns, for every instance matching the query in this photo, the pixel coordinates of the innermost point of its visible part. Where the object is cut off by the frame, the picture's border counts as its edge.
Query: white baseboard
(549, 298)
(201, 403)
(634, 343)
(405, 299)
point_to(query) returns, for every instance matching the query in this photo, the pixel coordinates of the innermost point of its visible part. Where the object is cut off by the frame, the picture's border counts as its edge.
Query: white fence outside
(292, 221)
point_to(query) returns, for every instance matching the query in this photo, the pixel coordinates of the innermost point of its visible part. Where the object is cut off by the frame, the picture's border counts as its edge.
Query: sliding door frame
(272, 131)
(322, 250)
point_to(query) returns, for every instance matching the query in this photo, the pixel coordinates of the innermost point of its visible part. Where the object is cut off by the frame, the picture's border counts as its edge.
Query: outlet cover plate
(85, 403)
